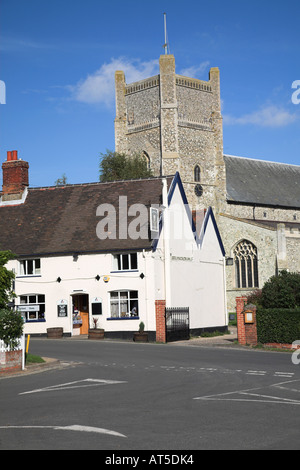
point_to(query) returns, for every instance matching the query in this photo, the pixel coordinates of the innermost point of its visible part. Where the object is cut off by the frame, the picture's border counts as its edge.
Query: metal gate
(177, 324)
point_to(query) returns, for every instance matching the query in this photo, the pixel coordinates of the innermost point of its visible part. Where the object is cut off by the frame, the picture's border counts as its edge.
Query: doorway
(81, 305)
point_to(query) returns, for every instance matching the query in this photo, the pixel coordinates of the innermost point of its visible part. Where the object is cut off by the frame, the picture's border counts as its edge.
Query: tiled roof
(63, 220)
(262, 182)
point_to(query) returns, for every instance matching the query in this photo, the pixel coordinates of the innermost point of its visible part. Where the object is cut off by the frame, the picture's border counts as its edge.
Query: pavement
(227, 340)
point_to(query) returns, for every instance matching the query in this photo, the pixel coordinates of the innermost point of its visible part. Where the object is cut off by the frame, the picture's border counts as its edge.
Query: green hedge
(278, 325)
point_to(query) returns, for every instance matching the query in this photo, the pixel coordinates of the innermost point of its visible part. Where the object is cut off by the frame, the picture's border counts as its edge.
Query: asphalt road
(126, 396)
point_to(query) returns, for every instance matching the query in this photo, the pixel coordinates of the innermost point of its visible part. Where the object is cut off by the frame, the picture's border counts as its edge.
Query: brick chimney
(15, 177)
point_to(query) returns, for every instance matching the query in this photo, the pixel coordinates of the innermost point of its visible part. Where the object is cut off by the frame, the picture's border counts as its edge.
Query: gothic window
(246, 267)
(197, 174)
(147, 159)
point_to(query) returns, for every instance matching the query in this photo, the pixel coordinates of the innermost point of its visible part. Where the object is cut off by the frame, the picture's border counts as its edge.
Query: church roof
(262, 182)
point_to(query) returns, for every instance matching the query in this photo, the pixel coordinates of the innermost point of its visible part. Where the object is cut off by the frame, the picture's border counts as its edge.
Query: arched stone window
(197, 174)
(246, 266)
(147, 159)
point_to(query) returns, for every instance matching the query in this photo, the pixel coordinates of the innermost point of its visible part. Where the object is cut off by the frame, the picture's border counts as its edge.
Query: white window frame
(119, 262)
(125, 301)
(36, 308)
(26, 269)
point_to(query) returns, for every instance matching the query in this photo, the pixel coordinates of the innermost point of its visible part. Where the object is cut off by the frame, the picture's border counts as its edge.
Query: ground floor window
(32, 307)
(124, 304)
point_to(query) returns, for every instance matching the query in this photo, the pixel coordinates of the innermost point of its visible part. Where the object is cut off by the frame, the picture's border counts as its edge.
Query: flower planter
(140, 337)
(54, 332)
(96, 333)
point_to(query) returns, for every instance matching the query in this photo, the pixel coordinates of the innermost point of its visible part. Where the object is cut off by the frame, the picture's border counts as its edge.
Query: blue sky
(58, 57)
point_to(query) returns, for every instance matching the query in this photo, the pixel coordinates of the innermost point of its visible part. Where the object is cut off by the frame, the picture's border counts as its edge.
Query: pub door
(81, 304)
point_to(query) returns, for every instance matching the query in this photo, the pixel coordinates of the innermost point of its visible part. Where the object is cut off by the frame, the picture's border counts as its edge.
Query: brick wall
(10, 361)
(160, 307)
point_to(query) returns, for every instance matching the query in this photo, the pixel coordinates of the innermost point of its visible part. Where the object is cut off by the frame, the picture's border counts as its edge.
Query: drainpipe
(166, 238)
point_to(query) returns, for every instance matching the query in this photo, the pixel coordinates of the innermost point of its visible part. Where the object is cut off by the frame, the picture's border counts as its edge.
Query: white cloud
(195, 71)
(99, 87)
(268, 116)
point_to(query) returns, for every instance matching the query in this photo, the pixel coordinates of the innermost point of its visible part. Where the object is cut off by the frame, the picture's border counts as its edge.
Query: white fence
(20, 347)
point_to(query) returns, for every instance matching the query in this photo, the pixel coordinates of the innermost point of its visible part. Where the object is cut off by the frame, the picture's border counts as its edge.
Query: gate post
(246, 322)
(160, 306)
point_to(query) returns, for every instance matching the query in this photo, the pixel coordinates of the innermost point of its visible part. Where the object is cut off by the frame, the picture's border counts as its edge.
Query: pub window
(32, 307)
(246, 265)
(197, 174)
(124, 304)
(30, 267)
(125, 262)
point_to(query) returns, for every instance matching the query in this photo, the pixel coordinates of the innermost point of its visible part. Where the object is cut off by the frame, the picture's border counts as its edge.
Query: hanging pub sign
(62, 308)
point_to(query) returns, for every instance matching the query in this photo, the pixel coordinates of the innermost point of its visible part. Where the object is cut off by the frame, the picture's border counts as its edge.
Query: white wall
(79, 277)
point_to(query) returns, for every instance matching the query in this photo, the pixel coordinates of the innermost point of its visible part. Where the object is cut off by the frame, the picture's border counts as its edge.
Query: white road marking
(71, 385)
(260, 397)
(74, 427)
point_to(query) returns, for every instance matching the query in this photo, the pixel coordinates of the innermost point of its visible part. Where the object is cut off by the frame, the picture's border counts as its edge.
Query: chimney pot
(14, 155)
(9, 157)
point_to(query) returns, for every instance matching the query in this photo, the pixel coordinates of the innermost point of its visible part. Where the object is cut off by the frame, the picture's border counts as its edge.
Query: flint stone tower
(175, 123)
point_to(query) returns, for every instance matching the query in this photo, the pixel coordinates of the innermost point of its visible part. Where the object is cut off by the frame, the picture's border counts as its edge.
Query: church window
(246, 266)
(197, 174)
(147, 159)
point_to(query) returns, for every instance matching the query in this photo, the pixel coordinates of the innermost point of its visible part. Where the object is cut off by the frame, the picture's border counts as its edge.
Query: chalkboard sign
(62, 308)
(97, 306)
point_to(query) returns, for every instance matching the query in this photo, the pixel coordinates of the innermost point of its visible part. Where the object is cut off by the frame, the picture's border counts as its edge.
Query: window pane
(255, 268)
(37, 266)
(125, 259)
(249, 272)
(22, 268)
(133, 294)
(133, 258)
(29, 266)
(32, 299)
(23, 299)
(41, 299)
(237, 273)
(243, 269)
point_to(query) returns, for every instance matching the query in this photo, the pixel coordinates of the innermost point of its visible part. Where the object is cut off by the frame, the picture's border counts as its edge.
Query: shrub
(278, 325)
(11, 328)
(282, 291)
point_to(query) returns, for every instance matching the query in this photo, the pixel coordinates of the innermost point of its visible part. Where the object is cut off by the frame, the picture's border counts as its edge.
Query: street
(110, 395)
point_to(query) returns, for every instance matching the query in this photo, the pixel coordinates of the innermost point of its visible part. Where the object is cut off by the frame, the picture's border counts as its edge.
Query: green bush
(281, 291)
(11, 327)
(278, 325)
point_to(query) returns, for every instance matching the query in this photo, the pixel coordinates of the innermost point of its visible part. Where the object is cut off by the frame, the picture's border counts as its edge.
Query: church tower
(175, 123)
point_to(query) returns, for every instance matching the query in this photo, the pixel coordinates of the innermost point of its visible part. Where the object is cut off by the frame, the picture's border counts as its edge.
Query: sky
(58, 59)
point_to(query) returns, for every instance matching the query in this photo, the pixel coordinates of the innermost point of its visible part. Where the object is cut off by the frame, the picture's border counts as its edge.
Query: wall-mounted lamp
(229, 261)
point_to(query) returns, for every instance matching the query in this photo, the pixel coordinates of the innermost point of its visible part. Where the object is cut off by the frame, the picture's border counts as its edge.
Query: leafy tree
(119, 166)
(282, 291)
(6, 278)
(11, 327)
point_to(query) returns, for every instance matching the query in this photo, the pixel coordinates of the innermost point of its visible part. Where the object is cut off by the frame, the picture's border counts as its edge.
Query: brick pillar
(160, 307)
(247, 332)
(240, 305)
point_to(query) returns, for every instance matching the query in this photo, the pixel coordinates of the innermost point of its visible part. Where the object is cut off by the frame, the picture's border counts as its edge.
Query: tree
(6, 278)
(61, 181)
(11, 327)
(119, 166)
